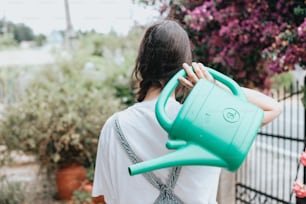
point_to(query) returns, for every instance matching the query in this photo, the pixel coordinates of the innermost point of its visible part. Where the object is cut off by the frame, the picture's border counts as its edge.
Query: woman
(134, 134)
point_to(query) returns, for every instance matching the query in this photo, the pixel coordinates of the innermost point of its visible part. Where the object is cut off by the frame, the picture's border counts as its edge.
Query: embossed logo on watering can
(231, 115)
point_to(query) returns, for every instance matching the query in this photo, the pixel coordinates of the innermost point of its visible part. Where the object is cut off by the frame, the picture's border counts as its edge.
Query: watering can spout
(190, 154)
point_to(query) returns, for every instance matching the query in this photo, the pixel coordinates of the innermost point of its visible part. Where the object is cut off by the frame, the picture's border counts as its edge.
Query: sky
(44, 16)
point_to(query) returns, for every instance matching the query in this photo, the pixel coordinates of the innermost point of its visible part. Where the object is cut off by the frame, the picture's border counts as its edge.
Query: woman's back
(195, 184)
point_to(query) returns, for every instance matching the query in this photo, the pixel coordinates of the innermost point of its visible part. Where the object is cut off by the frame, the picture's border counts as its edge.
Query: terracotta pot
(69, 179)
(98, 200)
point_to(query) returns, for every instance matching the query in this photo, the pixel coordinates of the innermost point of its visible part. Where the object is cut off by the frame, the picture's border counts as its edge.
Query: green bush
(115, 55)
(81, 197)
(7, 41)
(283, 80)
(13, 80)
(60, 118)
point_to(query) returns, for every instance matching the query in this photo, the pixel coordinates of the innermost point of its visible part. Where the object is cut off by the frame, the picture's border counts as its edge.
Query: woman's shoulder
(115, 116)
(138, 111)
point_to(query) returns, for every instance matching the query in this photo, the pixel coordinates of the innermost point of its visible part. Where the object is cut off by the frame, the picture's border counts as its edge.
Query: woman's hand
(198, 72)
(193, 76)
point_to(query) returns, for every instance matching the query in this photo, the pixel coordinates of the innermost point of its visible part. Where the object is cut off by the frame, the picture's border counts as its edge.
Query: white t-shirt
(195, 185)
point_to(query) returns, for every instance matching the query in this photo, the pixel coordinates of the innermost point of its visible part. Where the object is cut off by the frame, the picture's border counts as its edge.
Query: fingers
(186, 83)
(197, 70)
(206, 74)
(190, 79)
(193, 76)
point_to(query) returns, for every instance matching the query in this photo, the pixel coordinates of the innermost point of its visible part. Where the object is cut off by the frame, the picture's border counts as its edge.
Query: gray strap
(166, 195)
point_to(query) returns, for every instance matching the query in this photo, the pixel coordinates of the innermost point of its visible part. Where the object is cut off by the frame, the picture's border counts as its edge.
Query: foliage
(13, 80)
(97, 44)
(287, 50)
(40, 40)
(284, 80)
(124, 91)
(81, 197)
(90, 172)
(7, 41)
(22, 33)
(61, 115)
(11, 192)
(12, 34)
(248, 40)
(115, 52)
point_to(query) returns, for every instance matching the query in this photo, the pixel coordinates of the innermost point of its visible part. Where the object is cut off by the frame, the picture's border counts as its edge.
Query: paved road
(22, 57)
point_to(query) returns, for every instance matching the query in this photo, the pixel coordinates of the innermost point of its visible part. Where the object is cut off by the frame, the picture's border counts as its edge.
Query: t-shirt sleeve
(102, 178)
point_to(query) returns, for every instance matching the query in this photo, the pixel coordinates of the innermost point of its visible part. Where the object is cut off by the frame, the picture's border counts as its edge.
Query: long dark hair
(164, 48)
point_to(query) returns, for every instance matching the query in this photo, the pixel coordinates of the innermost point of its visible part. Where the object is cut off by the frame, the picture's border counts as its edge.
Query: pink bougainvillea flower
(248, 39)
(303, 158)
(299, 190)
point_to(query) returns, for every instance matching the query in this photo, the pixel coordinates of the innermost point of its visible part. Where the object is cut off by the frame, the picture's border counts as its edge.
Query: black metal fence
(272, 166)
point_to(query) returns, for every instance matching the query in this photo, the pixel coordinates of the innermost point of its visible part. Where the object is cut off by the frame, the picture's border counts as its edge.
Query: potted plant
(59, 121)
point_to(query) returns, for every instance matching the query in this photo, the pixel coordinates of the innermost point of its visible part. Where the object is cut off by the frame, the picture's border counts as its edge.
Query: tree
(249, 40)
(40, 39)
(22, 33)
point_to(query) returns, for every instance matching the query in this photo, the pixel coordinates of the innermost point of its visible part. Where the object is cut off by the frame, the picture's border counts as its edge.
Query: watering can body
(213, 127)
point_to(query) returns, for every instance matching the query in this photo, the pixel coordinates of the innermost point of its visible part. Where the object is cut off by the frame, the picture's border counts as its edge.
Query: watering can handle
(163, 119)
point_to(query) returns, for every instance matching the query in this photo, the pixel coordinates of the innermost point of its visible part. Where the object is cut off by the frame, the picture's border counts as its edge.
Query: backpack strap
(166, 195)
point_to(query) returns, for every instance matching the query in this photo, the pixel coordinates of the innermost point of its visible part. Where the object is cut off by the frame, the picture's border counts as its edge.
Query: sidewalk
(27, 172)
(26, 56)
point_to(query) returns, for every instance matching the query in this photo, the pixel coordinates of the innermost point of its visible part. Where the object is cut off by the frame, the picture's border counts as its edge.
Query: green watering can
(213, 127)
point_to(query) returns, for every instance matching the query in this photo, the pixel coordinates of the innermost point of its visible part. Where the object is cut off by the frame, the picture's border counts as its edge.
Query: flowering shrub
(287, 50)
(247, 39)
(298, 188)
